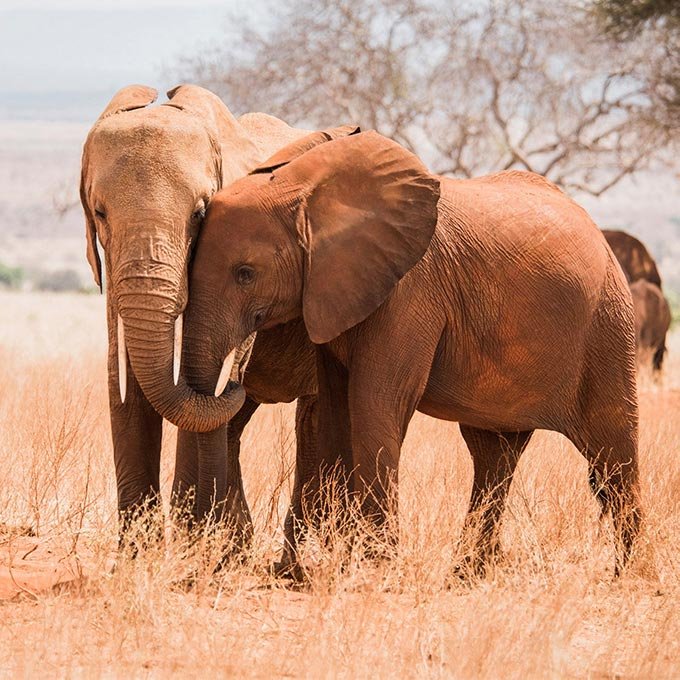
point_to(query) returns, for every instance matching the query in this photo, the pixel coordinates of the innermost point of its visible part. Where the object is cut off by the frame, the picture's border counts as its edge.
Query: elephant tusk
(177, 354)
(225, 373)
(122, 360)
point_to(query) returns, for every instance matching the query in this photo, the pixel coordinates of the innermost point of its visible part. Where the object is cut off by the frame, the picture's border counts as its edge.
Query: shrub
(10, 277)
(59, 281)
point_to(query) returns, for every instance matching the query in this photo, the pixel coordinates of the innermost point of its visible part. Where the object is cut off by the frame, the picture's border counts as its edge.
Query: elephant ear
(90, 231)
(368, 213)
(300, 146)
(237, 151)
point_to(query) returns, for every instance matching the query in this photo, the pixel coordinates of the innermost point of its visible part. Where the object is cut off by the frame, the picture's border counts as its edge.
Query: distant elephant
(652, 321)
(147, 176)
(633, 256)
(494, 302)
(651, 307)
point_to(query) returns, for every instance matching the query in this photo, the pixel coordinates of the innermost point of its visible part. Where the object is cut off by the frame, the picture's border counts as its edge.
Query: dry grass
(551, 609)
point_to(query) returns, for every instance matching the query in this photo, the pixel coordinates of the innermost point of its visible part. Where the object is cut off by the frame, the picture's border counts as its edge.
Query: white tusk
(122, 361)
(225, 373)
(177, 354)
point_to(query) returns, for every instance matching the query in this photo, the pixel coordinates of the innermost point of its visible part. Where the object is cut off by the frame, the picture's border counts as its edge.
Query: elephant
(652, 321)
(633, 256)
(494, 302)
(148, 174)
(652, 312)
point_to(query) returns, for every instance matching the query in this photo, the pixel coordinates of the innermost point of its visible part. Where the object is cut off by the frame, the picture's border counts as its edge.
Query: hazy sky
(106, 4)
(93, 48)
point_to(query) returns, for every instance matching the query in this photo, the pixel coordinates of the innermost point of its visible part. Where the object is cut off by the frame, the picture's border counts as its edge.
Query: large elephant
(652, 321)
(147, 176)
(494, 302)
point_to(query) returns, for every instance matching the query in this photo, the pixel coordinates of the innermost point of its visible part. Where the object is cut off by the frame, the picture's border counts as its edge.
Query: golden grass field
(550, 609)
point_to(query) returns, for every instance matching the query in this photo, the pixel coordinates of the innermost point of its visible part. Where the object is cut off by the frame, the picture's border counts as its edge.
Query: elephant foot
(289, 570)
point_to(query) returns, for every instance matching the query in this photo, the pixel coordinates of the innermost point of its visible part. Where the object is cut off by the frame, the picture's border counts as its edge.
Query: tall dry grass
(549, 609)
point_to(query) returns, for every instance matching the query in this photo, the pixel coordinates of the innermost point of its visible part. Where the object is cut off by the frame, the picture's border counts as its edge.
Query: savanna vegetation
(550, 608)
(585, 93)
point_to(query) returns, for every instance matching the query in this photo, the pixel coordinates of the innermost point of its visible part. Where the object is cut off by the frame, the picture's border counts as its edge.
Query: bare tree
(470, 87)
(655, 22)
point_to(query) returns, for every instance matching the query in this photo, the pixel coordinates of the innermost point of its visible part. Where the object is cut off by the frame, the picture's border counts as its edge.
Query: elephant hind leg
(604, 425)
(495, 456)
(606, 434)
(614, 479)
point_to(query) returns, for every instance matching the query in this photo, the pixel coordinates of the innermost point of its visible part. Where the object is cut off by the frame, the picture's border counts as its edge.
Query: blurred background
(584, 92)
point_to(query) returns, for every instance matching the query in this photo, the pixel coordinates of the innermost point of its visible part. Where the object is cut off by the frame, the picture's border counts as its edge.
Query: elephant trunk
(149, 337)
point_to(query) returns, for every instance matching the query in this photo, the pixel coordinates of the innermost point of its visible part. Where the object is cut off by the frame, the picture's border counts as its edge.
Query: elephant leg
(614, 480)
(237, 509)
(186, 475)
(606, 432)
(495, 456)
(136, 431)
(324, 453)
(306, 501)
(380, 412)
(186, 464)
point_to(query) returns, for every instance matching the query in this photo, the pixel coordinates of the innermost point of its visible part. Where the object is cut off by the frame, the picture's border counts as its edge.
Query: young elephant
(652, 321)
(497, 304)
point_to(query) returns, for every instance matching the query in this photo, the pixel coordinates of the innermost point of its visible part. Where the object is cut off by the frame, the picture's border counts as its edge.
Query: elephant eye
(101, 214)
(245, 275)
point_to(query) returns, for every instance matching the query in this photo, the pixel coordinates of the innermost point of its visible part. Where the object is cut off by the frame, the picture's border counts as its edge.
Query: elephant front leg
(385, 387)
(377, 436)
(323, 460)
(136, 431)
(227, 444)
(305, 504)
(183, 499)
(237, 505)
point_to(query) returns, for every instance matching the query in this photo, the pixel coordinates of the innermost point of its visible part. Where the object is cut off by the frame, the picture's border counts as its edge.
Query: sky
(62, 58)
(105, 4)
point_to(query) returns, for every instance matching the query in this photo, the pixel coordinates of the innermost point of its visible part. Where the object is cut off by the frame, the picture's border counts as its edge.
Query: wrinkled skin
(652, 313)
(147, 176)
(500, 307)
(652, 321)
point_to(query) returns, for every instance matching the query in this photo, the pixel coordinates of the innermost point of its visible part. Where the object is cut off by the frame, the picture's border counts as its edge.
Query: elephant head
(324, 236)
(147, 176)
(633, 256)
